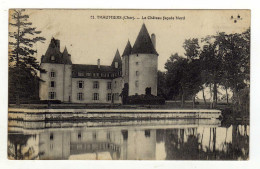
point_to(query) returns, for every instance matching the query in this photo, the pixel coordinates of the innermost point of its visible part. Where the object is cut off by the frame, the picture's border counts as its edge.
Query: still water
(189, 141)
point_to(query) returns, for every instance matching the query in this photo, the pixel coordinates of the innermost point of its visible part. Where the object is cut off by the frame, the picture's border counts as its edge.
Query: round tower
(143, 64)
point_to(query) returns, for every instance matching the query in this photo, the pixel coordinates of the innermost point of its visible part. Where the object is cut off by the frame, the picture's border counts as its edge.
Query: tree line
(221, 60)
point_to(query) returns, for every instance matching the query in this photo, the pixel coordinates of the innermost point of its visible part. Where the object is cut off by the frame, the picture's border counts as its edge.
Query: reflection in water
(136, 143)
(207, 143)
(22, 146)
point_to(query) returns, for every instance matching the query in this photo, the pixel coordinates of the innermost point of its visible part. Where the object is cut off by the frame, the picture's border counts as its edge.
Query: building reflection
(191, 143)
(99, 144)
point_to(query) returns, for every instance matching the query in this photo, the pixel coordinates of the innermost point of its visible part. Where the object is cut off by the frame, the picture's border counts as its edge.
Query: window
(137, 73)
(109, 85)
(115, 85)
(52, 84)
(137, 63)
(95, 85)
(80, 96)
(116, 96)
(88, 74)
(147, 133)
(136, 83)
(52, 95)
(51, 136)
(116, 64)
(80, 84)
(80, 73)
(52, 74)
(109, 97)
(52, 58)
(79, 136)
(95, 96)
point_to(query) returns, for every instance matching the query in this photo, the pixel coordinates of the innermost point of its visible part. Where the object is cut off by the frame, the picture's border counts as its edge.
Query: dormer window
(80, 73)
(52, 58)
(116, 64)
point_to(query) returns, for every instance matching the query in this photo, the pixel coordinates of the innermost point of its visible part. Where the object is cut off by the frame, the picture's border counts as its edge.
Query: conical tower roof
(117, 59)
(66, 56)
(143, 43)
(128, 49)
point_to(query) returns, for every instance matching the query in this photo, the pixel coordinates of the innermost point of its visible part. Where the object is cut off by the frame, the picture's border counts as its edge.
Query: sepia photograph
(125, 84)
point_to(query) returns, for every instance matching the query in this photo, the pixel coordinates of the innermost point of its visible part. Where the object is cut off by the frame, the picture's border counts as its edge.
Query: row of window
(95, 96)
(53, 74)
(95, 84)
(80, 84)
(81, 74)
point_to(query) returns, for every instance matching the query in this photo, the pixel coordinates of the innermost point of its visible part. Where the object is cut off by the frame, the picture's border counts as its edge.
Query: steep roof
(128, 49)
(66, 56)
(54, 50)
(143, 43)
(117, 59)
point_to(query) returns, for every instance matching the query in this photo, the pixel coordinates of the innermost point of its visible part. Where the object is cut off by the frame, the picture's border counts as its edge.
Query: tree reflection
(18, 148)
(186, 144)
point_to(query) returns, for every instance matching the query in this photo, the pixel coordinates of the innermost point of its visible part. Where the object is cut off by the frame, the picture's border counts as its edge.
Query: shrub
(145, 99)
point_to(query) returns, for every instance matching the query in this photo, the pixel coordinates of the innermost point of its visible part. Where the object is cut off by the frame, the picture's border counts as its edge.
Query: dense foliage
(219, 60)
(23, 66)
(145, 99)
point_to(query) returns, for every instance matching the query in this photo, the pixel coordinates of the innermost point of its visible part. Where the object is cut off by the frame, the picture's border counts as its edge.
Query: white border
(135, 4)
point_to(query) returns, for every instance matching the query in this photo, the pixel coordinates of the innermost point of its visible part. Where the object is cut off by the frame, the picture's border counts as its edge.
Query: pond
(192, 140)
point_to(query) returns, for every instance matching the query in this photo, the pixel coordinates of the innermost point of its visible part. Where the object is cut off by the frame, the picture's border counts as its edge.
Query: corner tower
(143, 64)
(56, 84)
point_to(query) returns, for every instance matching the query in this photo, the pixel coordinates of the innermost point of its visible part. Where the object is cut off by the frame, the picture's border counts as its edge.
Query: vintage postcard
(88, 84)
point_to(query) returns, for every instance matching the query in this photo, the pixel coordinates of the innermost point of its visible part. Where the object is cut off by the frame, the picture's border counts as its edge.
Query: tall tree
(183, 77)
(162, 87)
(22, 63)
(235, 49)
(192, 50)
(212, 65)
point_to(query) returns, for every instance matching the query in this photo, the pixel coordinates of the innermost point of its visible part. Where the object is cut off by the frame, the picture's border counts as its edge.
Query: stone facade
(79, 83)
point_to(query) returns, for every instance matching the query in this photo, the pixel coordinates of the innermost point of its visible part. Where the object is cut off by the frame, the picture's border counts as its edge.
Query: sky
(90, 39)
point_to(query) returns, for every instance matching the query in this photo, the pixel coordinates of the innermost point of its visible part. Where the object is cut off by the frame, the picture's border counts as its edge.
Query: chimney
(57, 44)
(153, 38)
(98, 63)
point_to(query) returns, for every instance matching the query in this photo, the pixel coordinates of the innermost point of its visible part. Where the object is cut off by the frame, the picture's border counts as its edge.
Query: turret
(66, 57)
(125, 61)
(117, 62)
